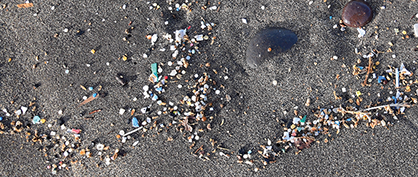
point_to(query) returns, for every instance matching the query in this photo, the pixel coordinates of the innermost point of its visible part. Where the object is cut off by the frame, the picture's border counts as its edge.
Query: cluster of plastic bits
(195, 105)
(357, 13)
(267, 44)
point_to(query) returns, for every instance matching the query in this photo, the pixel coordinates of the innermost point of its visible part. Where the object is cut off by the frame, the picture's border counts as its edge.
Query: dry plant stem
(390, 105)
(372, 108)
(369, 68)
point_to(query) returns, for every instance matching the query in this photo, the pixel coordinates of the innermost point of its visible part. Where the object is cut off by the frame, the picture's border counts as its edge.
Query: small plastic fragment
(380, 79)
(154, 75)
(24, 109)
(135, 122)
(404, 71)
(36, 120)
(361, 32)
(179, 35)
(1, 118)
(135, 143)
(25, 5)
(303, 120)
(416, 30)
(121, 111)
(154, 39)
(75, 131)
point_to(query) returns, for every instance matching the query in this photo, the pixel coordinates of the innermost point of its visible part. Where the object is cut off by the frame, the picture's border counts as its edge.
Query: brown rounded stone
(357, 13)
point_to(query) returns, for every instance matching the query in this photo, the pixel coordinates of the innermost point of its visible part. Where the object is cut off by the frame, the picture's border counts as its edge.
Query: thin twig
(369, 68)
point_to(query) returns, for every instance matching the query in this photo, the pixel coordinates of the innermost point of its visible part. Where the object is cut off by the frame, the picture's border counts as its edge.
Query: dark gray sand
(246, 113)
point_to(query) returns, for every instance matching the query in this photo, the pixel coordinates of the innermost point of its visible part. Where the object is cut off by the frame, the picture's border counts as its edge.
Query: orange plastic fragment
(25, 5)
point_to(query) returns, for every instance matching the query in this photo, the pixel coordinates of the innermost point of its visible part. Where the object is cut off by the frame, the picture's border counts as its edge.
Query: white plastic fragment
(244, 21)
(99, 147)
(135, 143)
(121, 111)
(397, 77)
(199, 37)
(361, 32)
(24, 109)
(179, 35)
(416, 29)
(213, 8)
(154, 39)
(145, 88)
(107, 161)
(174, 55)
(18, 112)
(404, 71)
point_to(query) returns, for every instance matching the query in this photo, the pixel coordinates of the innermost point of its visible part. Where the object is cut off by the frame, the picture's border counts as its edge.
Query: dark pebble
(268, 43)
(357, 13)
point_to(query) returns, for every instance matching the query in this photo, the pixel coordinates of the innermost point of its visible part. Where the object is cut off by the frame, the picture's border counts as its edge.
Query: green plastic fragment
(303, 119)
(154, 69)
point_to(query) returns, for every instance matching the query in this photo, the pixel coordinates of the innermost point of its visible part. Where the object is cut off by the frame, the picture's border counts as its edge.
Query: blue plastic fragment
(159, 89)
(394, 98)
(1, 118)
(36, 119)
(348, 120)
(90, 88)
(155, 97)
(94, 94)
(249, 152)
(360, 67)
(337, 122)
(135, 122)
(330, 17)
(380, 79)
